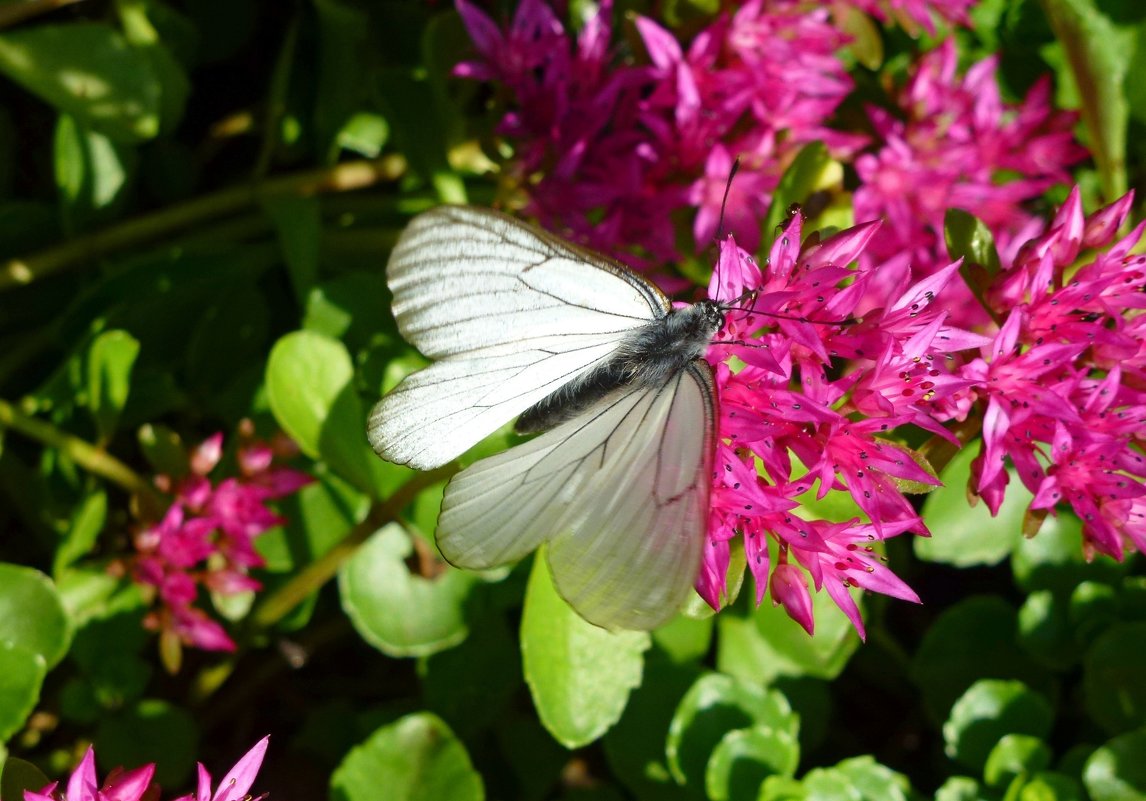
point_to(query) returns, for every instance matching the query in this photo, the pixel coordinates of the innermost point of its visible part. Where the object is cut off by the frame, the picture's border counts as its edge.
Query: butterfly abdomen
(650, 356)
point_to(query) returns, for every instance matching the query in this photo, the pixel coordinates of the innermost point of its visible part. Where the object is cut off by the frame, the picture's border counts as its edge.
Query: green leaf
(1015, 755)
(988, 710)
(1093, 607)
(968, 238)
(356, 309)
(713, 706)
(365, 134)
(22, 672)
(874, 781)
(1044, 631)
(535, 759)
(416, 758)
(93, 173)
(1050, 786)
(31, 614)
(311, 392)
(419, 127)
(1114, 678)
(317, 517)
(448, 683)
(19, 776)
(744, 758)
(111, 358)
(960, 788)
(829, 784)
(966, 536)
(164, 450)
(804, 175)
(86, 69)
(1116, 771)
(343, 56)
(150, 731)
(635, 747)
(944, 666)
(298, 223)
(767, 643)
(684, 639)
(398, 613)
(579, 675)
(83, 529)
(1099, 54)
(1053, 560)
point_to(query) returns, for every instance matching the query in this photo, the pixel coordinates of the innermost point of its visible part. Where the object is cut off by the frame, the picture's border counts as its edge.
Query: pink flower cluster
(610, 152)
(618, 154)
(790, 399)
(206, 538)
(909, 13)
(1063, 383)
(137, 785)
(1060, 389)
(952, 142)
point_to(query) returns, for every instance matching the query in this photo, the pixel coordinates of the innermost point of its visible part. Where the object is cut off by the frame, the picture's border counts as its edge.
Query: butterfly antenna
(724, 201)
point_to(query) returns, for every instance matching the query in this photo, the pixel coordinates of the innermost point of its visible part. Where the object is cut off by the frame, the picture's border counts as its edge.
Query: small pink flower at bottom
(120, 785)
(236, 784)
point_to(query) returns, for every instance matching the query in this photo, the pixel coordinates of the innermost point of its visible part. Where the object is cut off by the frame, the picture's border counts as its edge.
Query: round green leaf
(965, 535)
(1014, 755)
(398, 613)
(684, 639)
(945, 665)
(111, 358)
(310, 387)
(19, 776)
(150, 731)
(766, 643)
(1114, 678)
(1117, 771)
(1054, 560)
(988, 710)
(22, 673)
(86, 69)
(713, 706)
(744, 757)
(580, 675)
(874, 781)
(959, 788)
(1044, 630)
(1093, 608)
(635, 747)
(31, 614)
(1050, 786)
(416, 758)
(829, 784)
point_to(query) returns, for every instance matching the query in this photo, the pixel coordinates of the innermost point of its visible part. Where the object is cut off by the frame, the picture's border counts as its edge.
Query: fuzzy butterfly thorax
(648, 357)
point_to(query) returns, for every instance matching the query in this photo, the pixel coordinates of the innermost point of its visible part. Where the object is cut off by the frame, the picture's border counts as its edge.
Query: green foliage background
(196, 203)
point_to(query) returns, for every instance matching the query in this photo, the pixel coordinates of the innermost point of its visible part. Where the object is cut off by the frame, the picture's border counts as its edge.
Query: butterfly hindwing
(620, 492)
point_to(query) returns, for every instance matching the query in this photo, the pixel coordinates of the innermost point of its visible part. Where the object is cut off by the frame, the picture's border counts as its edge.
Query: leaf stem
(344, 177)
(91, 458)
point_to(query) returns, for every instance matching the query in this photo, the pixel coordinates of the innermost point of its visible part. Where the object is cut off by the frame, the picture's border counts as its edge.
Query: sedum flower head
(953, 142)
(799, 416)
(83, 785)
(1062, 385)
(205, 541)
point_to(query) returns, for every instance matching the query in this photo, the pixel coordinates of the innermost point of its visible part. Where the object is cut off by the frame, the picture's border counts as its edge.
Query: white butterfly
(523, 324)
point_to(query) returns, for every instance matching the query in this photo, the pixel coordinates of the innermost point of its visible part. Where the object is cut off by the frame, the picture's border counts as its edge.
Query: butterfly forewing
(511, 313)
